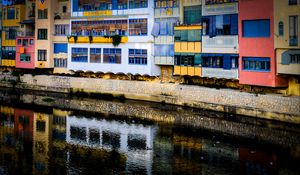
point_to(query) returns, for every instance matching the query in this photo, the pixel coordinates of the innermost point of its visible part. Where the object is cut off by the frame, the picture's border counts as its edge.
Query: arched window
(280, 28)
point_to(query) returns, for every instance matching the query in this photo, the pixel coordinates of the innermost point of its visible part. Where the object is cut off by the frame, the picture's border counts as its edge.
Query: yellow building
(187, 50)
(44, 30)
(11, 18)
(287, 42)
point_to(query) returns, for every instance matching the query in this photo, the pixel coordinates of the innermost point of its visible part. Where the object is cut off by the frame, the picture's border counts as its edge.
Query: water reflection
(68, 142)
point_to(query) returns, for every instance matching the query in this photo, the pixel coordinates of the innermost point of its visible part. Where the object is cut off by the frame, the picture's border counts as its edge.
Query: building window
(42, 55)
(163, 27)
(166, 3)
(293, 30)
(43, 14)
(40, 126)
(220, 25)
(95, 55)
(64, 9)
(60, 62)
(10, 33)
(138, 4)
(42, 34)
(212, 61)
(31, 42)
(19, 42)
(280, 28)
(79, 55)
(256, 28)
(137, 27)
(184, 60)
(192, 14)
(17, 13)
(100, 28)
(295, 58)
(112, 56)
(187, 35)
(62, 30)
(25, 42)
(24, 58)
(137, 56)
(4, 14)
(256, 64)
(164, 50)
(9, 53)
(293, 2)
(234, 62)
(92, 5)
(10, 13)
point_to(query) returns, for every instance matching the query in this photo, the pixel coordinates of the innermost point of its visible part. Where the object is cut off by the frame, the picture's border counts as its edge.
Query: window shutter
(285, 58)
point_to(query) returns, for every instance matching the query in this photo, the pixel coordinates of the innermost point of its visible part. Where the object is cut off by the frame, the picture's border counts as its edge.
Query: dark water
(59, 141)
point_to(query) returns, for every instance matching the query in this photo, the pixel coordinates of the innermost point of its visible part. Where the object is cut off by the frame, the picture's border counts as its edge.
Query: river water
(44, 137)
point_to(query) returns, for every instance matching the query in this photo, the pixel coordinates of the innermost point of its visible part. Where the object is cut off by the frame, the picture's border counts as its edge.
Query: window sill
(262, 71)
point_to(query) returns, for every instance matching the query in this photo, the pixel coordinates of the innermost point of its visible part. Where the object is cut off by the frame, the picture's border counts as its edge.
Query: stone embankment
(268, 106)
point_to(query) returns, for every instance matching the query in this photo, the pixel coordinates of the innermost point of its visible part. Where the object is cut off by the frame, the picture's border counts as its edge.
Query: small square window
(31, 41)
(19, 42)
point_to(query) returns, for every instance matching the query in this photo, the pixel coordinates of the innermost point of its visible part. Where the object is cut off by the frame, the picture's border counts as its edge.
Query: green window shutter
(184, 35)
(198, 60)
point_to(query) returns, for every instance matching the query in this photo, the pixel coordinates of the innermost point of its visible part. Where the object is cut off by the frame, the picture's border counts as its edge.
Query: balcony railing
(25, 34)
(220, 44)
(220, 73)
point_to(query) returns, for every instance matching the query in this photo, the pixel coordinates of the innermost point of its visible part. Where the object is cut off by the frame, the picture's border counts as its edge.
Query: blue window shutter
(114, 4)
(285, 58)
(256, 28)
(163, 28)
(75, 5)
(155, 29)
(234, 24)
(226, 62)
(226, 19)
(60, 47)
(171, 50)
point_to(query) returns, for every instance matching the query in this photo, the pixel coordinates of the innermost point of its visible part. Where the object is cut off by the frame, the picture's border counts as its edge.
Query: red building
(256, 44)
(25, 52)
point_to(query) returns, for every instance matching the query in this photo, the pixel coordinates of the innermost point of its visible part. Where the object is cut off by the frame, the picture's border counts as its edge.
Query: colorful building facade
(287, 42)
(256, 44)
(12, 15)
(95, 25)
(220, 45)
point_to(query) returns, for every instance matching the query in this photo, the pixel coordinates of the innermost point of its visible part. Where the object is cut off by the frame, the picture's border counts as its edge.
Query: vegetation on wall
(116, 39)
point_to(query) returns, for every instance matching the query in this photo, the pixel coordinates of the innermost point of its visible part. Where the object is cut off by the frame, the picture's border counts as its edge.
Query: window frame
(253, 64)
(42, 55)
(138, 57)
(44, 33)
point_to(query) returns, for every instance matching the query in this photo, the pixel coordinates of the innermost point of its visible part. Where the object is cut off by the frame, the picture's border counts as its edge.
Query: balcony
(288, 61)
(220, 44)
(94, 39)
(187, 70)
(163, 60)
(219, 73)
(187, 47)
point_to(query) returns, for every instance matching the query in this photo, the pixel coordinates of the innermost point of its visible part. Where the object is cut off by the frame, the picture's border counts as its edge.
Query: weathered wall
(270, 106)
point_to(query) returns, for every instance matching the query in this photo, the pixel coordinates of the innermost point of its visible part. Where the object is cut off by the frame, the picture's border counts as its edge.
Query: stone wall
(270, 106)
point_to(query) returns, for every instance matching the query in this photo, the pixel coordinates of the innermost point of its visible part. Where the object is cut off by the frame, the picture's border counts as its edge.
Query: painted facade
(132, 22)
(12, 15)
(0, 32)
(287, 42)
(220, 45)
(256, 44)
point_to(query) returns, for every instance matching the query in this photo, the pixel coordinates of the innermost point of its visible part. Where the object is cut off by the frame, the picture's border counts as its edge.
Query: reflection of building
(24, 128)
(42, 136)
(133, 140)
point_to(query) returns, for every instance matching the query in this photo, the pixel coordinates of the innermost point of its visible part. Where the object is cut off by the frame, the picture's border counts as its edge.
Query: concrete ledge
(268, 106)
